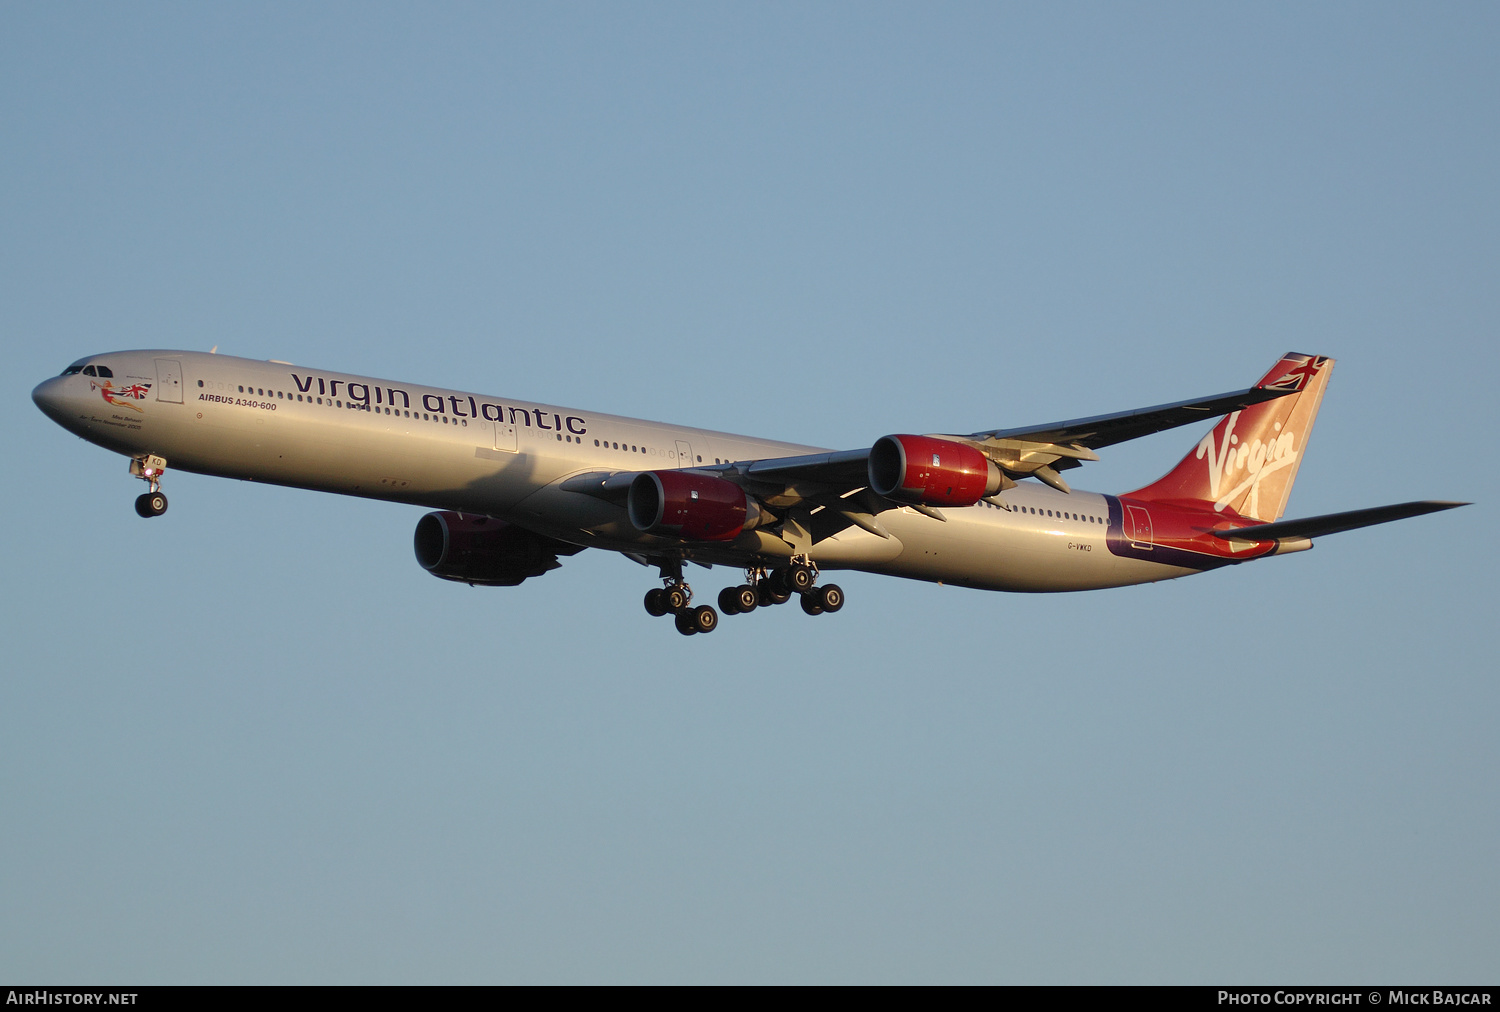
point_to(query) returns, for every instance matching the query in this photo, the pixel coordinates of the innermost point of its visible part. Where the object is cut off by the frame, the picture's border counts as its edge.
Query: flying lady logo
(120, 397)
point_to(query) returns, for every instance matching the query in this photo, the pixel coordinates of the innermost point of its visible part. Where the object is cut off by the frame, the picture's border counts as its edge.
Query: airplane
(516, 485)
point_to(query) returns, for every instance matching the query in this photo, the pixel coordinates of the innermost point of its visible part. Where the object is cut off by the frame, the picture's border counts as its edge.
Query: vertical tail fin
(1246, 465)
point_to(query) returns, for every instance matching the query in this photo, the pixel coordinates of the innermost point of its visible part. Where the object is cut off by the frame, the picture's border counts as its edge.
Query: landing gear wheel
(729, 601)
(831, 597)
(745, 598)
(811, 604)
(656, 604)
(684, 622)
(704, 618)
(675, 597)
(151, 504)
(799, 579)
(771, 592)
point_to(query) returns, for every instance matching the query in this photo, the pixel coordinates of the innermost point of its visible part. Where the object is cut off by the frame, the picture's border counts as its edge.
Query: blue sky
(254, 742)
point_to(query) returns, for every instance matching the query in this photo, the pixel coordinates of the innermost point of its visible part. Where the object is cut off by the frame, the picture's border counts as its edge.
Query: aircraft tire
(746, 598)
(799, 579)
(151, 504)
(656, 604)
(704, 618)
(684, 622)
(729, 601)
(831, 597)
(771, 590)
(811, 605)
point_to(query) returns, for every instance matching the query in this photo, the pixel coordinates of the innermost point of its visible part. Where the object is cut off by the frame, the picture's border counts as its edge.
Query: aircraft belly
(853, 548)
(1001, 552)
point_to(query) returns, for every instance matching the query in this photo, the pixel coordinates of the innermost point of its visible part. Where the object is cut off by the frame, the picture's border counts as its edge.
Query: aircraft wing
(1334, 523)
(1038, 451)
(836, 483)
(1106, 430)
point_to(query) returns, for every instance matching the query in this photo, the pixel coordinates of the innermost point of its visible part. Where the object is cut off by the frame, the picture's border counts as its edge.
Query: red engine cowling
(480, 550)
(933, 472)
(687, 505)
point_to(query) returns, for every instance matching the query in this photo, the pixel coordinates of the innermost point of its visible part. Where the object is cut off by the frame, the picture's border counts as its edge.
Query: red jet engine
(687, 505)
(481, 550)
(933, 472)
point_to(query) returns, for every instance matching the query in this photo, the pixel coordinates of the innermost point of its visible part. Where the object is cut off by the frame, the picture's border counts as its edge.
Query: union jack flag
(1299, 376)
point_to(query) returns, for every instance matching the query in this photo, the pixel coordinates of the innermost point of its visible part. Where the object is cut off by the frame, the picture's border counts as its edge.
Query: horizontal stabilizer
(1333, 523)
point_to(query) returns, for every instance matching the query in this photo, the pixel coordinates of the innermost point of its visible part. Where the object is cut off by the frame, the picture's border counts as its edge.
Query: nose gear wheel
(149, 468)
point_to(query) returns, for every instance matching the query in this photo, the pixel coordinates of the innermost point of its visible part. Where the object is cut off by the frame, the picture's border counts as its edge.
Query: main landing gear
(150, 469)
(801, 578)
(777, 587)
(762, 587)
(675, 598)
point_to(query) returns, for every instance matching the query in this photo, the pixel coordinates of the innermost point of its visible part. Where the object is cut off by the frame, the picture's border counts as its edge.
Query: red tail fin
(1247, 463)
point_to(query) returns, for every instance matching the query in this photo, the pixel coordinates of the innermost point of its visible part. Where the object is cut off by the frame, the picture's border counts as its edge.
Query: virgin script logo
(1259, 460)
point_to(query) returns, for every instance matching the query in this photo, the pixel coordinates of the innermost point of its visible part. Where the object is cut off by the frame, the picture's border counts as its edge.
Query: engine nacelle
(933, 472)
(481, 550)
(687, 505)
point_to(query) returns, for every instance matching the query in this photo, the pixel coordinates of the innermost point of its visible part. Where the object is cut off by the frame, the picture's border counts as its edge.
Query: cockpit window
(106, 372)
(88, 371)
(72, 370)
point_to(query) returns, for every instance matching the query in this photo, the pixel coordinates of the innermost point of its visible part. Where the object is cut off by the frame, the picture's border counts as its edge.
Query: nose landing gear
(150, 469)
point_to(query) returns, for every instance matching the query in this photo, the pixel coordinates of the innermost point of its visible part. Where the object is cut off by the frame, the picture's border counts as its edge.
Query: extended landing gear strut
(149, 469)
(675, 597)
(777, 587)
(761, 587)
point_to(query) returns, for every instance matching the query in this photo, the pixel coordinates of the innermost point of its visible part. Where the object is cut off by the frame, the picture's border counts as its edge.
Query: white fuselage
(473, 453)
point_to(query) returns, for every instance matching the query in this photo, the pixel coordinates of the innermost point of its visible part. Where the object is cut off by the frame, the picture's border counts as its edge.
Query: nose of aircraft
(49, 396)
